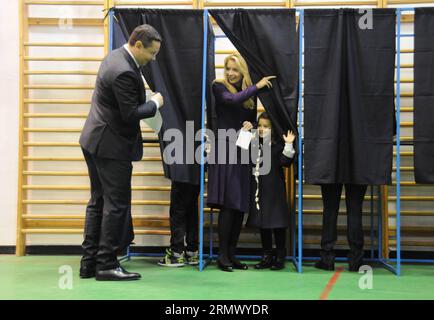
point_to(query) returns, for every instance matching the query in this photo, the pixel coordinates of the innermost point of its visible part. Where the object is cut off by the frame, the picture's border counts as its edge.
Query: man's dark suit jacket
(112, 129)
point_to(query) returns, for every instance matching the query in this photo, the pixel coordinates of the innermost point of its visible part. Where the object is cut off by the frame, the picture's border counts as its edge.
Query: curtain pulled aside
(176, 74)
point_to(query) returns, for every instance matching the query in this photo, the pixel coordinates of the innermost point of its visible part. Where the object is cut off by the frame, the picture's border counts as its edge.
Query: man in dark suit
(111, 139)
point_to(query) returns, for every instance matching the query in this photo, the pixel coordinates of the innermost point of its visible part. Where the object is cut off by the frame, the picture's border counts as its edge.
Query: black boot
(279, 262)
(87, 270)
(266, 261)
(327, 261)
(355, 261)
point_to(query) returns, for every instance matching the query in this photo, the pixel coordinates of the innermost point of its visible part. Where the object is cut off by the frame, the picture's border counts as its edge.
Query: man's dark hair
(146, 34)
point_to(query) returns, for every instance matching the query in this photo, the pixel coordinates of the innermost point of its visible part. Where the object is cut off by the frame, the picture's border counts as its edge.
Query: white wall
(9, 84)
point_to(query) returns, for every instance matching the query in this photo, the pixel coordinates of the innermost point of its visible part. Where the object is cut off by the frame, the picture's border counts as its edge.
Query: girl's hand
(247, 126)
(265, 82)
(290, 137)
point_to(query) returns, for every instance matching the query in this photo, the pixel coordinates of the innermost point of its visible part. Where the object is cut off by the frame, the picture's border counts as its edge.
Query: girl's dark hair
(146, 34)
(264, 115)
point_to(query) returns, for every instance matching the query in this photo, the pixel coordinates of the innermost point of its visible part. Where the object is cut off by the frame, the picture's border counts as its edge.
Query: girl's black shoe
(279, 262)
(265, 263)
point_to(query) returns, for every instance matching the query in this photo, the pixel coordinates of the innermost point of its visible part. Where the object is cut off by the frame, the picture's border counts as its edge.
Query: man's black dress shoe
(224, 267)
(117, 274)
(324, 266)
(87, 272)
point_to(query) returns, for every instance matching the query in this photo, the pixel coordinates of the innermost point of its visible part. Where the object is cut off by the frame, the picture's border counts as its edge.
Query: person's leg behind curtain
(331, 196)
(178, 213)
(192, 227)
(355, 195)
(179, 206)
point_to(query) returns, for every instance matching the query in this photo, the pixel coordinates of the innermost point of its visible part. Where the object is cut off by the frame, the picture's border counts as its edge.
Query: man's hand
(158, 98)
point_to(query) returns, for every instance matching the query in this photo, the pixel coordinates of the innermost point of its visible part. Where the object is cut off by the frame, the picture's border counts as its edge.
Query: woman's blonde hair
(246, 81)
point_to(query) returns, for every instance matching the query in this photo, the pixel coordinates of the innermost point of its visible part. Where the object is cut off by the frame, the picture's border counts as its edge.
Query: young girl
(269, 210)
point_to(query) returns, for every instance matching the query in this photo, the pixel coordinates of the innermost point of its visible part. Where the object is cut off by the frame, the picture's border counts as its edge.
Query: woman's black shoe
(265, 263)
(224, 267)
(237, 264)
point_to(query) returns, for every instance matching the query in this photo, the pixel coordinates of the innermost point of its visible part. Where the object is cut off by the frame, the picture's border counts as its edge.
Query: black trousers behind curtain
(268, 41)
(424, 95)
(176, 74)
(349, 97)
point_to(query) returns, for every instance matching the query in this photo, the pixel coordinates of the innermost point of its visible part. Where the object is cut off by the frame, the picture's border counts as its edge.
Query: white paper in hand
(244, 139)
(155, 122)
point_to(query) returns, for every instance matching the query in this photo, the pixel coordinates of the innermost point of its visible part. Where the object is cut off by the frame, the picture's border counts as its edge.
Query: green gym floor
(38, 277)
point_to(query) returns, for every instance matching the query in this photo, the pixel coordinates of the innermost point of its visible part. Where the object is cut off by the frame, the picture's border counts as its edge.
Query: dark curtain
(424, 95)
(176, 74)
(268, 41)
(349, 97)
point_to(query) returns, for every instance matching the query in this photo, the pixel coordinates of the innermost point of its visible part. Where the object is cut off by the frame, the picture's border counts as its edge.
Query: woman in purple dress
(229, 178)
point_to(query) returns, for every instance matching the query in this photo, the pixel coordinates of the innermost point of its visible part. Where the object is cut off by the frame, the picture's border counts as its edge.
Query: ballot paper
(244, 139)
(155, 122)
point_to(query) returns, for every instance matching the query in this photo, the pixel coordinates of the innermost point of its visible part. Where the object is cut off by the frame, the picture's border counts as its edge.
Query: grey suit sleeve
(125, 91)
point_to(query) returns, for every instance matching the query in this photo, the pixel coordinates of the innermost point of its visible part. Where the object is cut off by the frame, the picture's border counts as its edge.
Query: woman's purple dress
(229, 184)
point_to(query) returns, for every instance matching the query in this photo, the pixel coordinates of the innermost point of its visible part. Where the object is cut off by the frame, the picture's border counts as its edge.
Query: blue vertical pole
(300, 144)
(111, 29)
(398, 147)
(294, 223)
(211, 221)
(202, 135)
(372, 222)
(379, 227)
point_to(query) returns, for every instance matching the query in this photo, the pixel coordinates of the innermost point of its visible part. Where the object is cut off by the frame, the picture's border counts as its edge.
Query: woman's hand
(247, 126)
(265, 82)
(290, 137)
